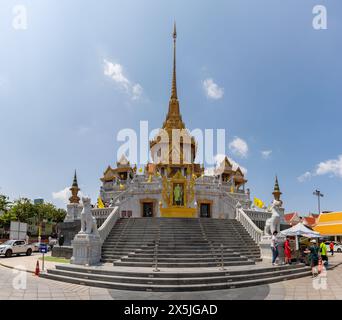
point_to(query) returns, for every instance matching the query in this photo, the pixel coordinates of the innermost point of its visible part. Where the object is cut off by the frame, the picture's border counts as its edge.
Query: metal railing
(156, 245)
(213, 252)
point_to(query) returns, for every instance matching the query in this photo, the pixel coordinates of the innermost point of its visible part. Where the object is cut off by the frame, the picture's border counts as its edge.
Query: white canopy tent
(300, 230)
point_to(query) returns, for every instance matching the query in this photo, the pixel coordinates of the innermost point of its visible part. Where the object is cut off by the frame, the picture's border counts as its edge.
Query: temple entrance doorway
(205, 210)
(147, 209)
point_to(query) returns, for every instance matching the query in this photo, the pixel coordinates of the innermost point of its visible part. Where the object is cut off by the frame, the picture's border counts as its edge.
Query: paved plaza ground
(43, 289)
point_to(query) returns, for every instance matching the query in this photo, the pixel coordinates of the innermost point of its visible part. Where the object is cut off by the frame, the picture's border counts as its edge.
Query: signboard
(43, 248)
(18, 230)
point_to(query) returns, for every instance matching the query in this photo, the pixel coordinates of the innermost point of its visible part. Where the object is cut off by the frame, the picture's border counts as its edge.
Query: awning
(329, 224)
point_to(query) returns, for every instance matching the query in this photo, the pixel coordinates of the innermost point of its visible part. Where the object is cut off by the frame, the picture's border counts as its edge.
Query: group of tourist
(317, 253)
(275, 249)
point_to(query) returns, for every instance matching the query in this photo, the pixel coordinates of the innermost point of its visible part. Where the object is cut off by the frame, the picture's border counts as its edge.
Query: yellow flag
(149, 178)
(232, 189)
(258, 203)
(122, 187)
(100, 203)
(140, 171)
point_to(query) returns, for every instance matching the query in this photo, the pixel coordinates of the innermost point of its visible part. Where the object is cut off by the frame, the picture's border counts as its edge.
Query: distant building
(309, 221)
(38, 201)
(330, 225)
(292, 218)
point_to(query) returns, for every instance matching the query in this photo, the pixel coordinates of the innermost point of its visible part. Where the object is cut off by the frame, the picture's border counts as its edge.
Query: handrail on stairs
(114, 216)
(214, 254)
(155, 253)
(248, 224)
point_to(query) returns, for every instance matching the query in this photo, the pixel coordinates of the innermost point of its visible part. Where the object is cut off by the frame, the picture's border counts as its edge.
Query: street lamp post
(319, 195)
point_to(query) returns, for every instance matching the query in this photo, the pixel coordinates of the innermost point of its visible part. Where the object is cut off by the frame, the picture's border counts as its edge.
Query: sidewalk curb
(13, 267)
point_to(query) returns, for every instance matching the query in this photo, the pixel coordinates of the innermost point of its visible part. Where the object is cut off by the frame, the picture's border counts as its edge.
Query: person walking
(331, 246)
(274, 247)
(287, 251)
(323, 251)
(313, 250)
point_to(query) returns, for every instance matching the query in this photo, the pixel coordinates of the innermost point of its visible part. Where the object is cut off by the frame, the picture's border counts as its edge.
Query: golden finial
(174, 31)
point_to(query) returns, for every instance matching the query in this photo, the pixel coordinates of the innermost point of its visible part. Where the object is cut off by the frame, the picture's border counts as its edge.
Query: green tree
(59, 215)
(23, 210)
(6, 218)
(5, 204)
(48, 212)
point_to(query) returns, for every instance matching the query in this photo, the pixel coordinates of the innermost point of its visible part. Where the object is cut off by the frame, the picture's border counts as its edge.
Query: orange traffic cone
(37, 271)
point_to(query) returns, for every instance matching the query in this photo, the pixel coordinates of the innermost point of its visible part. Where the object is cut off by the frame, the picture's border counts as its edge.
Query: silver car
(17, 247)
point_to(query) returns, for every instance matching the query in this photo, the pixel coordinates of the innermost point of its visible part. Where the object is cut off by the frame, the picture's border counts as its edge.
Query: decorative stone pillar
(73, 212)
(87, 243)
(86, 249)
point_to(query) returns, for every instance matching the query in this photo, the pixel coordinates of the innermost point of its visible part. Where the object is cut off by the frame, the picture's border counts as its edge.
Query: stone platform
(175, 280)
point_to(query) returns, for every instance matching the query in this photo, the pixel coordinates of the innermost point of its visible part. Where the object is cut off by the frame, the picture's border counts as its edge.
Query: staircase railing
(114, 216)
(249, 225)
(204, 235)
(156, 245)
(109, 223)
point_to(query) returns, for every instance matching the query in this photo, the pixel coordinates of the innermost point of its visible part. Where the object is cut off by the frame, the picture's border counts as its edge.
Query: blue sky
(275, 84)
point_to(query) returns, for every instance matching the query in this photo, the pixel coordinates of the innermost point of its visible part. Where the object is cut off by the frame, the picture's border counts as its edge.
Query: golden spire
(174, 81)
(173, 118)
(276, 192)
(74, 191)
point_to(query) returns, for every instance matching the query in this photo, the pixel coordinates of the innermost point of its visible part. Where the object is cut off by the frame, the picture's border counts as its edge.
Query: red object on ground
(37, 271)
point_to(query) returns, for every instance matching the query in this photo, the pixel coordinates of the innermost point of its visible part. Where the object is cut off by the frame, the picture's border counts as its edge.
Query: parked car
(36, 247)
(17, 247)
(337, 246)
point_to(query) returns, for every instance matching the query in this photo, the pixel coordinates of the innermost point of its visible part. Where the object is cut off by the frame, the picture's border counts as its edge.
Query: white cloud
(212, 90)
(333, 167)
(64, 195)
(137, 91)
(239, 147)
(266, 154)
(115, 72)
(305, 176)
(83, 130)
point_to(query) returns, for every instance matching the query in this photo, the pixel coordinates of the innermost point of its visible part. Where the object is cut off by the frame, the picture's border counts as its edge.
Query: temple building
(173, 184)
(172, 213)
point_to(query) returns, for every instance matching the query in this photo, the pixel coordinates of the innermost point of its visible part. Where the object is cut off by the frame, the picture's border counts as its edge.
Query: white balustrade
(108, 225)
(101, 213)
(113, 213)
(258, 215)
(249, 225)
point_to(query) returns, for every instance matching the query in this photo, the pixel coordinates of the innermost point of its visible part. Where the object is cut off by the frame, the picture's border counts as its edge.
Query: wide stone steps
(181, 242)
(166, 281)
(178, 264)
(182, 260)
(177, 248)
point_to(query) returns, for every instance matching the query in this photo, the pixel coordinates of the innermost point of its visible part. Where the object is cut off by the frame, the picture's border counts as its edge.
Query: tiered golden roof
(121, 172)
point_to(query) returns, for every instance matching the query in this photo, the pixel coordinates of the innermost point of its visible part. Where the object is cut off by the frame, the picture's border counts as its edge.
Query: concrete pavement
(16, 284)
